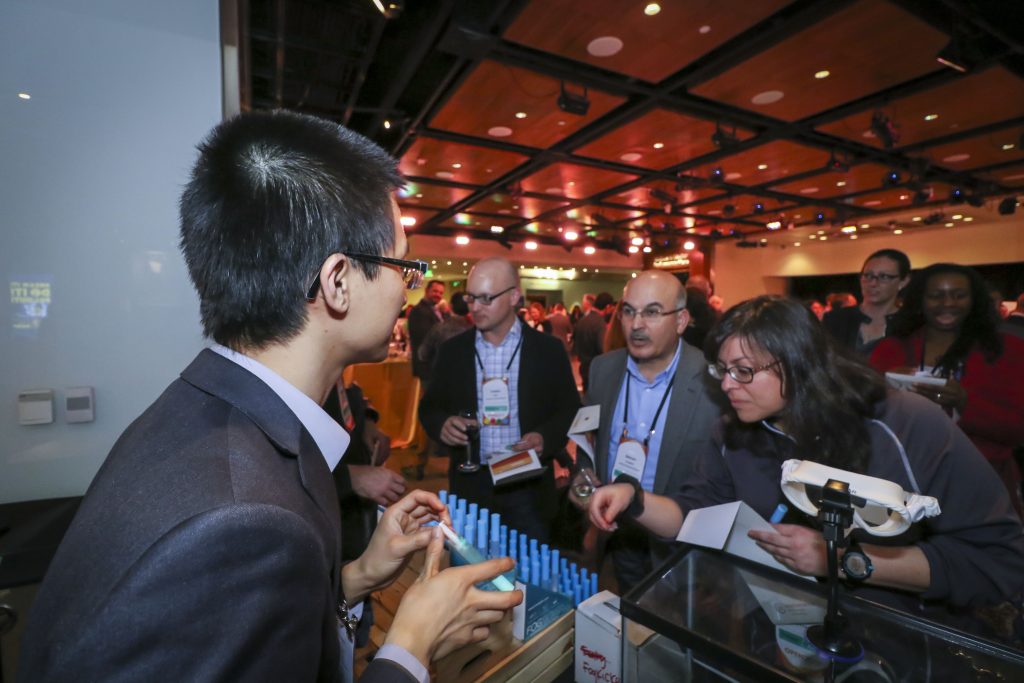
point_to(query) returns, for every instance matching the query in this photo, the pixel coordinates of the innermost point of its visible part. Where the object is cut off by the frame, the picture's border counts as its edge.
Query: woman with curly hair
(949, 327)
(793, 393)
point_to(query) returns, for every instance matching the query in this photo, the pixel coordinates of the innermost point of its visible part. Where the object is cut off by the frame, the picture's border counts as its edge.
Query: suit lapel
(616, 375)
(681, 408)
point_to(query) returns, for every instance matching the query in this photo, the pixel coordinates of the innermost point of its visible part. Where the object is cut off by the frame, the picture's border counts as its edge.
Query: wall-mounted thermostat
(35, 407)
(79, 404)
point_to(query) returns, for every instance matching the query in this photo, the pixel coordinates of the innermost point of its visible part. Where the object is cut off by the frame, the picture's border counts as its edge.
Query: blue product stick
(443, 495)
(471, 555)
(593, 584)
(554, 569)
(535, 572)
(513, 544)
(462, 505)
(779, 513)
(481, 538)
(472, 512)
(494, 542)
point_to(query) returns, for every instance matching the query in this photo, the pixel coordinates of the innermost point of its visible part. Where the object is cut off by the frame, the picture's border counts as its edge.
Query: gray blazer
(691, 416)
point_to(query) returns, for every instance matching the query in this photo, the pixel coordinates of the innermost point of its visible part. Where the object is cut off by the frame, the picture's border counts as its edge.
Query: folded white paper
(587, 420)
(725, 527)
(898, 380)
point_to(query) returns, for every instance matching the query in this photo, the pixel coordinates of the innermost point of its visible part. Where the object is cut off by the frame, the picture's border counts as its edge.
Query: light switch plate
(35, 407)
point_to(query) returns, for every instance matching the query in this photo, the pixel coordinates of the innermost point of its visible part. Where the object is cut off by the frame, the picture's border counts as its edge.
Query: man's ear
(336, 282)
(682, 321)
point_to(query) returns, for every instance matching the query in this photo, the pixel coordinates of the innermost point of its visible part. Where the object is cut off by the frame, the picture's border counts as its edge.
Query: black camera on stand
(835, 513)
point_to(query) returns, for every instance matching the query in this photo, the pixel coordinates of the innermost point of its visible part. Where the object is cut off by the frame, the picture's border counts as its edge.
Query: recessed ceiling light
(764, 240)
(561, 123)
(637, 241)
(767, 97)
(531, 245)
(456, 165)
(647, 250)
(733, 176)
(387, 125)
(571, 235)
(865, 226)
(931, 117)
(704, 29)
(917, 219)
(824, 73)
(813, 236)
(24, 96)
(652, 9)
(461, 239)
(497, 229)
(553, 190)
(762, 167)
(633, 249)
(688, 245)
(520, 114)
(950, 224)
(445, 175)
(823, 238)
(588, 250)
(808, 190)
(659, 145)
(499, 131)
(849, 229)
(632, 275)
(968, 219)
(853, 237)
(954, 158)
(841, 183)
(821, 232)
(796, 244)
(897, 231)
(605, 46)
(630, 157)
(957, 216)
(869, 134)
(1008, 146)
(419, 195)
(408, 221)
(904, 197)
(873, 202)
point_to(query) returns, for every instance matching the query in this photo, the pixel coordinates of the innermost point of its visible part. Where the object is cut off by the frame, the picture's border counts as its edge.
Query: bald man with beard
(532, 402)
(656, 409)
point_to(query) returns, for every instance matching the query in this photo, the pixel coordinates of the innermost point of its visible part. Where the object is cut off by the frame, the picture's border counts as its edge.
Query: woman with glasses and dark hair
(949, 327)
(794, 394)
(884, 274)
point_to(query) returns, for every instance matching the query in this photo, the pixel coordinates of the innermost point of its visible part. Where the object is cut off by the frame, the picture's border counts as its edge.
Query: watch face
(855, 564)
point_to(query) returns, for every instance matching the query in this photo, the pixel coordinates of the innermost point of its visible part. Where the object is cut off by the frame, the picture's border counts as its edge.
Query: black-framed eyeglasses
(740, 373)
(485, 299)
(649, 314)
(412, 271)
(878, 277)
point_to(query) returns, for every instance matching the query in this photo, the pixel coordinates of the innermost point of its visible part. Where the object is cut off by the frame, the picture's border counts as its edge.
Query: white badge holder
(888, 509)
(630, 459)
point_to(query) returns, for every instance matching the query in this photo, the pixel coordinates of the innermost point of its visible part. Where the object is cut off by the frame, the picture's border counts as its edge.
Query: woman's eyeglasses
(740, 373)
(412, 271)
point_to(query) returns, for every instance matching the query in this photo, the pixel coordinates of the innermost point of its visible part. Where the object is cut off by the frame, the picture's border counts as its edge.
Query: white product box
(598, 651)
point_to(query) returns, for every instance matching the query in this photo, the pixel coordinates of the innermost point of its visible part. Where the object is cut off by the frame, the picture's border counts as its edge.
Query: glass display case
(736, 620)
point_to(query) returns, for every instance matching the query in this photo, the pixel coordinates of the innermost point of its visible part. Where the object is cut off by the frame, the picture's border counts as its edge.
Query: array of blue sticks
(537, 565)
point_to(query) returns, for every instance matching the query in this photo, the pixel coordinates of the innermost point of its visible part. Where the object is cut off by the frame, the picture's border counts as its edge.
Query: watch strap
(636, 506)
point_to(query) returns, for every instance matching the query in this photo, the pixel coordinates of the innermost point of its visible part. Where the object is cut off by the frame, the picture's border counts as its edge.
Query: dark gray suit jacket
(207, 548)
(689, 421)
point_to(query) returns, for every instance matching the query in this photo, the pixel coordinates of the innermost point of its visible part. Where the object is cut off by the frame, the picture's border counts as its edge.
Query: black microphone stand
(835, 512)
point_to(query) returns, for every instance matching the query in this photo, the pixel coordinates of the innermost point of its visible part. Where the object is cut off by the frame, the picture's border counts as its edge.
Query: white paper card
(587, 420)
(783, 603)
(512, 464)
(900, 381)
(725, 527)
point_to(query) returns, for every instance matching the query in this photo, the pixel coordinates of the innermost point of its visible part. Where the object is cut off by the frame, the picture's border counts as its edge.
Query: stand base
(468, 467)
(835, 646)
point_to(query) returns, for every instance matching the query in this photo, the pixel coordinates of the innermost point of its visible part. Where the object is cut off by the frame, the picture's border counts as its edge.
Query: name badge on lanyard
(497, 405)
(631, 455)
(495, 394)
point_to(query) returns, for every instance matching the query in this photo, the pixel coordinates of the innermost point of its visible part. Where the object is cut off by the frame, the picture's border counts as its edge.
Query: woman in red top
(949, 327)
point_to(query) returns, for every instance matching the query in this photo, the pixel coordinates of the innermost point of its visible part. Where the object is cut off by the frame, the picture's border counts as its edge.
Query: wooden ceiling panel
(507, 205)
(488, 101)
(458, 162)
(431, 195)
(573, 181)
(976, 152)
(835, 184)
(779, 159)
(899, 197)
(1011, 176)
(652, 47)
(641, 197)
(867, 47)
(585, 214)
(742, 207)
(952, 111)
(658, 139)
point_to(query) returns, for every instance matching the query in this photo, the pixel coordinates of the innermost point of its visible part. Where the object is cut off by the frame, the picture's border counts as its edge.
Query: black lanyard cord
(657, 414)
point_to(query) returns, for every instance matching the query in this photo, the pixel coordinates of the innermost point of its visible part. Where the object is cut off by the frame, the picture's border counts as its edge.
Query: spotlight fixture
(758, 207)
(819, 218)
(956, 195)
(723, 139)
(885, 130)
(663, 196)
(922, 195)
(933, 218)
(891, 178)
(717, 175)
(728, 210)
(976, 201)
(837, 165)
(571, 103)
(1008, 206)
